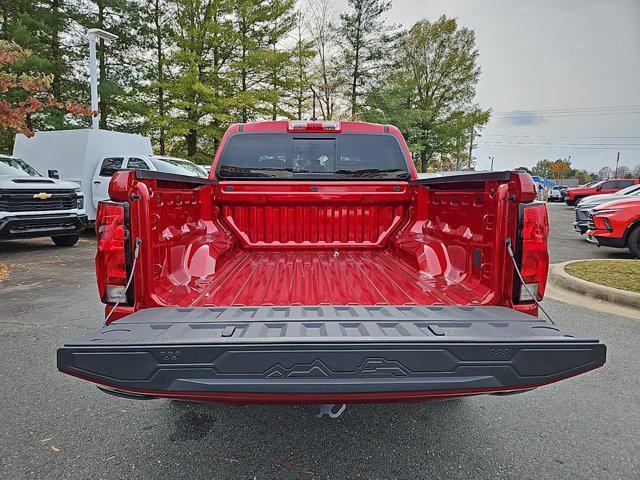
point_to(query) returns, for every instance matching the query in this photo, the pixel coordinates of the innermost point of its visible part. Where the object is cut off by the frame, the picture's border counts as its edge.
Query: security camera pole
(94, 34)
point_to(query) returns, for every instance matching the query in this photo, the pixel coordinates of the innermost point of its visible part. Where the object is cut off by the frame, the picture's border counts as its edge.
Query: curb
(558, 277)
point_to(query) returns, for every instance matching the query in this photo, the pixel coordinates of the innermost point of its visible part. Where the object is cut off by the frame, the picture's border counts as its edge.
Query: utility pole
(617, 162)
(94, 34)
(491, 158)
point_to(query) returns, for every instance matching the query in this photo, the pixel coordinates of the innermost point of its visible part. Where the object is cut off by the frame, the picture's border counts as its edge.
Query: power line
(614, 147)
(557, 136)
(568, 110)
(562, 115)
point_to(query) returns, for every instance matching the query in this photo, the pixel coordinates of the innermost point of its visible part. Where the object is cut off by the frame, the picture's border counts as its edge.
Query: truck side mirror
(598, 188)
(54, 174)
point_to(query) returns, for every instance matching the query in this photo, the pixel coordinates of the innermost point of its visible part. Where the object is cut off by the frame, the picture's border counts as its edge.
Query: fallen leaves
(5, 270)
(287, 463)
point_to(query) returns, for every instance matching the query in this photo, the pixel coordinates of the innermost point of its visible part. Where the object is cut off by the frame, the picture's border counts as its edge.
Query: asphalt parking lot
(57, 427)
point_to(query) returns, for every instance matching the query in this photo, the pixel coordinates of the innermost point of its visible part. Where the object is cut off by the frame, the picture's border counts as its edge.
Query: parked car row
(608, 213)
(32, 205)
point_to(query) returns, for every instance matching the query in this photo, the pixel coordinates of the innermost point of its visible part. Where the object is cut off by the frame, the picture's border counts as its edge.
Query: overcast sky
(574, 59)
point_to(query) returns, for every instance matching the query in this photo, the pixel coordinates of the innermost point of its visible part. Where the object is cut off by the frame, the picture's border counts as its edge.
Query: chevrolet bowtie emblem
(42, 196)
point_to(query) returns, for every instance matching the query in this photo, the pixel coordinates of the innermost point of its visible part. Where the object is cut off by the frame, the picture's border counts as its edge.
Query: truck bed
(324, 277)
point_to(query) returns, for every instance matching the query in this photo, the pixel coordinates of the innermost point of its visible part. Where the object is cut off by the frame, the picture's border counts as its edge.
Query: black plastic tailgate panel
(350, 349)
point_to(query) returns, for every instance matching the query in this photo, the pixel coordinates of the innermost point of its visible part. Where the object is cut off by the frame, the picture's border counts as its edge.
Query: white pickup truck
(35, 206)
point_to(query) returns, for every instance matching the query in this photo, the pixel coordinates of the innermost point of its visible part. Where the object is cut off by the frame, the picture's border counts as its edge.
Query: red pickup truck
(574, 195)
(313, 266)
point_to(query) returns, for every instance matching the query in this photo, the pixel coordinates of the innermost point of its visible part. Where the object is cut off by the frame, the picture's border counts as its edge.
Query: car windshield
(318, 157)
(16, 167)
(590, 184)
(631, 190)
(180, 167)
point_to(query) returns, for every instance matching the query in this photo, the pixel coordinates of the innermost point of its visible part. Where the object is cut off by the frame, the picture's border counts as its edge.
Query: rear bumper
(41, 225)
(293, 355)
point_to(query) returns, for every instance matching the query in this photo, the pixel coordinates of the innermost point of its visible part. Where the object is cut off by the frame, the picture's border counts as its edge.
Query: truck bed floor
(323, 277)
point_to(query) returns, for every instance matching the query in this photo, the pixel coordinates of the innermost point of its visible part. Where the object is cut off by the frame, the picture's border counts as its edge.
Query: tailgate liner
(324, 350)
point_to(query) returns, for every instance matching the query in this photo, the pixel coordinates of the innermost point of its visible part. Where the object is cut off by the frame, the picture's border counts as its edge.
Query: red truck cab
(314, 266)
(574, 195)
(617, 224)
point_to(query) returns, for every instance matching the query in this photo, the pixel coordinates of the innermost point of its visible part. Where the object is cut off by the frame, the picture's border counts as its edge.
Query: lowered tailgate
(327, 353)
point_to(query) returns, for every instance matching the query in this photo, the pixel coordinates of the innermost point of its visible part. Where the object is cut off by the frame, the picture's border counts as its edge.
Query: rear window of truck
(318, 157)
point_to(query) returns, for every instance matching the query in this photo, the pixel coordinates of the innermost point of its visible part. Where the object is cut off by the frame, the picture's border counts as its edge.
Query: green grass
(624, 275)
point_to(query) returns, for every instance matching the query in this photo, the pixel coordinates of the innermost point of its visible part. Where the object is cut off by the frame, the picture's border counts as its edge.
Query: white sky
(550, 55)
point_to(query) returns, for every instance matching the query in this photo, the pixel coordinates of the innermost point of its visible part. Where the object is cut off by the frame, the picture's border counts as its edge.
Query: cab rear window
(319, 157)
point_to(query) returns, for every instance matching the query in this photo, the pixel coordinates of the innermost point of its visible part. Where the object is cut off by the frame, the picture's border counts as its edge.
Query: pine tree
(279, 59)
(303, 54)
(199, 88)
(364, 39)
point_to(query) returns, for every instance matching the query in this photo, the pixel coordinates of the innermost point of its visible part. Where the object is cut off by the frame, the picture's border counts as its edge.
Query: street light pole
(94, 34)
(491, 158)
(617, 162)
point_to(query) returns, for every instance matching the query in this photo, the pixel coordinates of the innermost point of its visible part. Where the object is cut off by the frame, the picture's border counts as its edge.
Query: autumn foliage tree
(25, 94)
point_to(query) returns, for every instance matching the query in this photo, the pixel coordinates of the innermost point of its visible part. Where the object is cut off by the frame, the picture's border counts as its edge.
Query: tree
(636, 171)
(120, 106)
(583, 176)
(623, 172)
(303, 54)
(156, 31)
(434, 79)
(524, 169)
(327, 76)
(200, 88)
(282, 76)
(26, 94)
(605, 173)
(541, 169)
(559, 169)
(364, 39)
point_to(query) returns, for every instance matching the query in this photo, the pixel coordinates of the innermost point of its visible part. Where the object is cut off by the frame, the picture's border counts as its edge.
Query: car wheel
(65, 240)
(633, 242)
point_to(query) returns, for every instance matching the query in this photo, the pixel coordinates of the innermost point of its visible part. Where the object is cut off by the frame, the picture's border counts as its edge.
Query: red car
(314, 266)
(617, 224)
(574, 195)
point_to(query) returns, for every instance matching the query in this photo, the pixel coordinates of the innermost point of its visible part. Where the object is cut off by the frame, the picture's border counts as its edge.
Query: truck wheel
(66, 240)
(633, 242)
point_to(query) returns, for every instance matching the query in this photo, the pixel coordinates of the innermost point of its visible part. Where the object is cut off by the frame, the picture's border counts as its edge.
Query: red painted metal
(329, 242)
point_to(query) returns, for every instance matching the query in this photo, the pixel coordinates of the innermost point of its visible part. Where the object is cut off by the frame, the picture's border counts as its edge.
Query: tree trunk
(192, 142)
(423, 162)
(160, 74)
(55, 48)
(102, 67)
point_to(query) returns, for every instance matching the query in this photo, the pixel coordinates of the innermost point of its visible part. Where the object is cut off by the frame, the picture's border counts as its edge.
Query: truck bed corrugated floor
(324, 277)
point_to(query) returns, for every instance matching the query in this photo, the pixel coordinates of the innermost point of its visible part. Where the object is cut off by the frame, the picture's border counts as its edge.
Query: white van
(78, 156)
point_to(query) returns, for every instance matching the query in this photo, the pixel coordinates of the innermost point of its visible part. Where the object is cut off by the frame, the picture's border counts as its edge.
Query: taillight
(534, 254)
(112, 257)
(313, 126)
